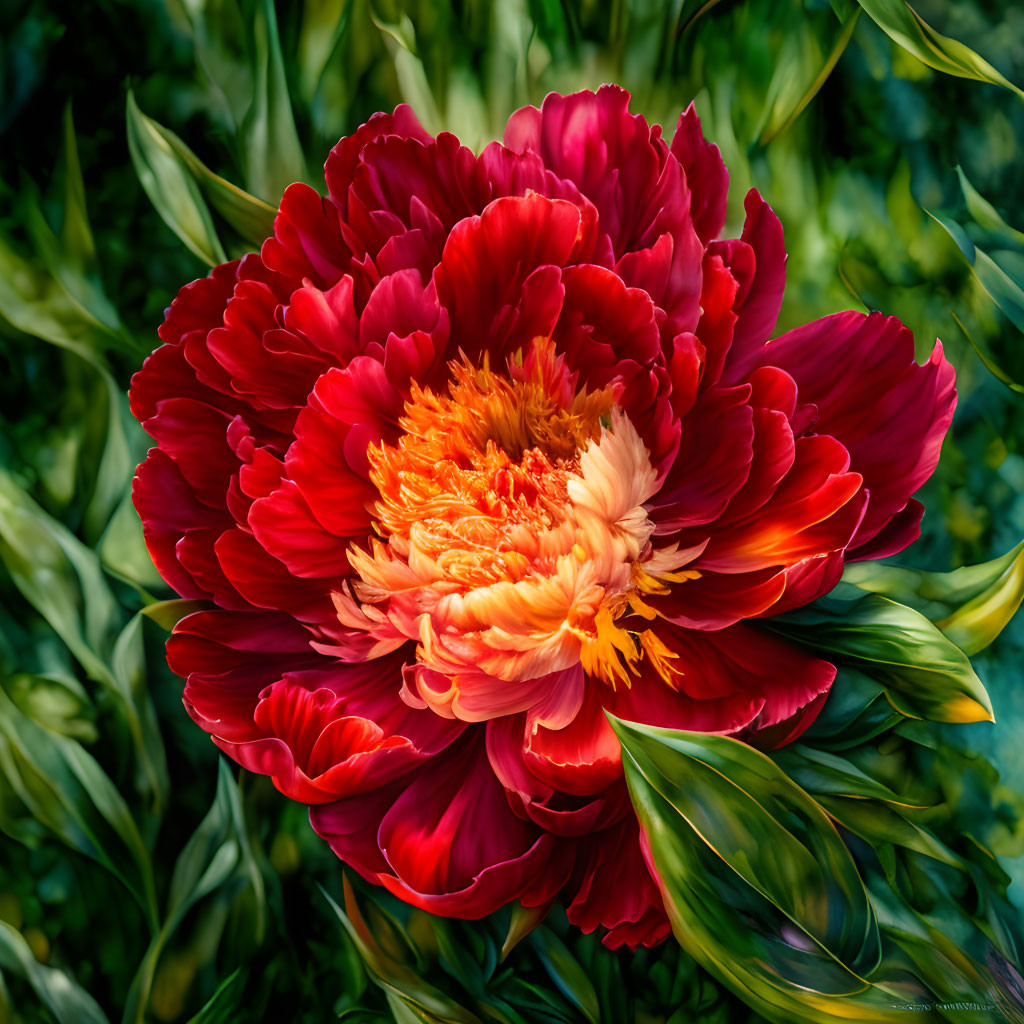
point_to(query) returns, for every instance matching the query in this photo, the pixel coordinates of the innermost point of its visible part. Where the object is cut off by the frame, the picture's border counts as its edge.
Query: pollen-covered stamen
(514, 538)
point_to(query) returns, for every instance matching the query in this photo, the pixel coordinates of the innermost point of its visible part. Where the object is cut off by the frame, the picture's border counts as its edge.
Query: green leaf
(57, 990)
(400, 38)
(568, 976)
(1002, 289)
(224, 1005)
(925, 675)
(401, 985)
(855, 711)
(971, 605)
(167, 614)
(822, 773)
(32, 301)
(877, 823)
(63, 580)
(67, 791)
(274, 157)
(171, 187)
(985, 214)
(217, 858)
(787, 107)
(905, 27)
(758, 885)
(990, 362)
(252, 218)
(522, 922)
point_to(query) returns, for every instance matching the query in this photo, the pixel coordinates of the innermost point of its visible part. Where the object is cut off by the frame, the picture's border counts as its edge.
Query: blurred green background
(138, 881)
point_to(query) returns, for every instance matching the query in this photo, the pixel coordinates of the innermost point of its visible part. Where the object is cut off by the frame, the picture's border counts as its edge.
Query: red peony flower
(480, 447)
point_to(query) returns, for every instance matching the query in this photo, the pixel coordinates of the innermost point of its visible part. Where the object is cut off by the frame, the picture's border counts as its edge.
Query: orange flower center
(513, 535)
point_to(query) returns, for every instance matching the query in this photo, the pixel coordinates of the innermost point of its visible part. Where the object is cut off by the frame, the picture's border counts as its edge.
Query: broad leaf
(970, 605)
(66, 790)
(418, 998)
(758, 885)
(252, 218)
(924, 673)
(274, 157)
(63, 580)
(564, 970)
(216, 859)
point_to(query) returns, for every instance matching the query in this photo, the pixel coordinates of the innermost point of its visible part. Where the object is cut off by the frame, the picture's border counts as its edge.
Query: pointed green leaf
(171, 187)
(217, 857)
(985, 214)
(925, 675)
(905, 27)
(224, 1005)
(57, 990)
(971, 605)
(564, 970)
(67, 791)
(758, 885)
(167, 614)
(63, 580)
(878, 823)
(272, 149)
(399, 983)
(822, 773)
(252, 218)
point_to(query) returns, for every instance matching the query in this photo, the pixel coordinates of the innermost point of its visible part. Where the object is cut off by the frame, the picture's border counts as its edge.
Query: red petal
(344, 158)
(618, 893)
(453, 843)
(762, 282)
(890, 413)
(706, 175)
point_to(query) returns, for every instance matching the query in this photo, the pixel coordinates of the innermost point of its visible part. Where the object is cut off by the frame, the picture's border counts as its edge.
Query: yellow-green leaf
(925, 675)
(970, 605)
(908, 29)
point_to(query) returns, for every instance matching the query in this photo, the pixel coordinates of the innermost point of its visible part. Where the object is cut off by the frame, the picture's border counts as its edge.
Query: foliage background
(136, 878)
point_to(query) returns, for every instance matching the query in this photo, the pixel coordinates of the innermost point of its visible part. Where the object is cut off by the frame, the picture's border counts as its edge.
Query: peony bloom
(478, 448)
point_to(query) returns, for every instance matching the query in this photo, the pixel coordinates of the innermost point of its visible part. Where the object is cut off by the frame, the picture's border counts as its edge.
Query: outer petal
(340, 732)
(618, 893)
(890, 413)
(451, 843)
(705, 174)
(758, 262)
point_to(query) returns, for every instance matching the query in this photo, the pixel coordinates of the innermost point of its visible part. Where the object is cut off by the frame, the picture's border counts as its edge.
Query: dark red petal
(228, 658)
(307, 240)
(198, 305)
(706, 175)
(762, 281)
(617, 892)
(169, 510)
(582, 758)
(816, 509)
(194, 436)
(287, 529)
(707, 472)
(326, 318)
(344, 158)
(554, 811)
(323, 740)
(487, 260)
(749, 661)
(890, 413)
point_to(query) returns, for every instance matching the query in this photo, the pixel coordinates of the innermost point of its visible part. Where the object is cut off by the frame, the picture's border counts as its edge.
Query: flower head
(480, 447)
